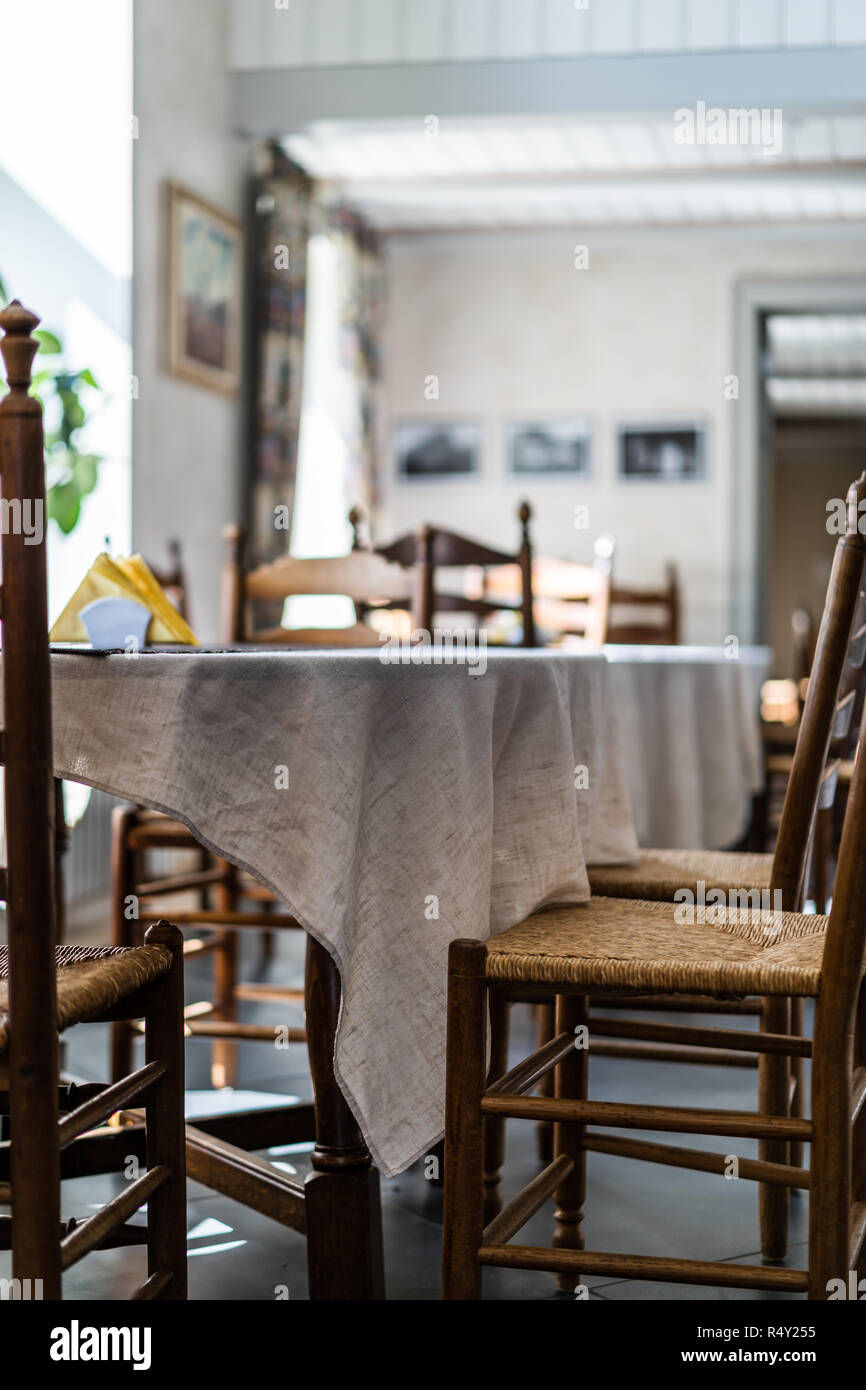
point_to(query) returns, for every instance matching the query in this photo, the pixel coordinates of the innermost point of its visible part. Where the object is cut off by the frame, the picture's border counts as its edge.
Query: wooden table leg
(344, 1216)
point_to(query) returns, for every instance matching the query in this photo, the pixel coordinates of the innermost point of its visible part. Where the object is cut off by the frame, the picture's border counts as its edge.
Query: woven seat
(91, 980)
(611, 943)
(659, 873)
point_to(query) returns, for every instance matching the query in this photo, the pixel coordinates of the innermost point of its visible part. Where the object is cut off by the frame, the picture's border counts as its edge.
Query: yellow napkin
(125, 577)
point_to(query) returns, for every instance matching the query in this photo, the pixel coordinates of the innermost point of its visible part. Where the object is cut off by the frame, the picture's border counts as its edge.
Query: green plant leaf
(49, 344)
(87, 375)
(64, 505)
(85, 472)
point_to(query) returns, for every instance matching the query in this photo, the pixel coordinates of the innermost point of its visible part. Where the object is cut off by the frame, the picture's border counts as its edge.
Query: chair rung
(655, 1268)
(527, 1202)
(737, 1124)
(529, 1072)
(199, 946)
(243, 1032)
(677, 1003)
(734, 1039)
(179, 883)
(153, 1287)
(93, 1112)
(856, 1233)
(700, 1160)
(88, 1235)
(213, 917)
(672, 1052)
(245, 1178)
(269, 993)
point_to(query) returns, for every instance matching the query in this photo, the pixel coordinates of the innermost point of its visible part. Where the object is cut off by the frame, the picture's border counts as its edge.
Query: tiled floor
(643, 1208)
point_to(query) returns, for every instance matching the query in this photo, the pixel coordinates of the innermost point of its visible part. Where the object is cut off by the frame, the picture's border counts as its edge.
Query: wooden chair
(172, 579)
(432, 548)
(369, 581)
(660, 874)
(643, 616)
(611, 945)
(45, 988)
(363, 576)
(571, 601)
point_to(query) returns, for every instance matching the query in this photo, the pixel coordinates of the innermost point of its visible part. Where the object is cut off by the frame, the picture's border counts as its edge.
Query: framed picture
(549, 448)
(433, 449)
(204, 292)
(667, 452)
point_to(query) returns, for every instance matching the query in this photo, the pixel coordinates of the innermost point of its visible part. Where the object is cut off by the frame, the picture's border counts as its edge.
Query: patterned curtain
(281, 203)
(362, 308)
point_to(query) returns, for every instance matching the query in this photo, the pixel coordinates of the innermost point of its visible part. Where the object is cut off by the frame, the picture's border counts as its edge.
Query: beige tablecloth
(689, 723)
(423, 803)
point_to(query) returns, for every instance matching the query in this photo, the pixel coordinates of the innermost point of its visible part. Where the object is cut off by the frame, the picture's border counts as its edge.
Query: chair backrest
(433, 547)
(171, 578)
(645, 616)
(571, 600)
(29, 782)
(827, 710)
(362, 576)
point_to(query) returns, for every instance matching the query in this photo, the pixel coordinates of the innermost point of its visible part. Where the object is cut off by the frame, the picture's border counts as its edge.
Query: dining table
(688, 719)
(393, 806)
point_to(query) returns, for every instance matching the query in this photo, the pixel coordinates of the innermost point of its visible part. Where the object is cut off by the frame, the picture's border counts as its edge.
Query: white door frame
(750, 483)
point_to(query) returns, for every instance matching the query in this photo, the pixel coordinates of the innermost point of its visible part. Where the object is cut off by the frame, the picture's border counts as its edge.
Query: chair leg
(123, 882)
(571, 1084)
(166, 1140)
(463, 1223)
(832, 1151)
(858, 1137)
(544, 1019)
(224, 1052)
(494, 1125)
(773, 1099)
(798, 1078)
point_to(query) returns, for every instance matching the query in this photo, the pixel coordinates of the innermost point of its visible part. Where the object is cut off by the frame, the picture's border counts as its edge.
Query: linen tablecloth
(689, 723)
(392, 808)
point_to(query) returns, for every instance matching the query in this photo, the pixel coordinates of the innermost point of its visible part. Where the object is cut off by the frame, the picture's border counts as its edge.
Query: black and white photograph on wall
(666, 452)
(427, 449)
(550, 447)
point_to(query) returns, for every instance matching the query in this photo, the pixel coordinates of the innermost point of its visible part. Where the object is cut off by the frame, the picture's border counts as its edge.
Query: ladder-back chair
(660, 874)
(432, 548)
(610, 945)
(645, 616)
(45, 988)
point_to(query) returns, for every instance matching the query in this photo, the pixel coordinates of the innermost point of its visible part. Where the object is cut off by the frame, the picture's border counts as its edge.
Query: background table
(423, 803)
(689, 720)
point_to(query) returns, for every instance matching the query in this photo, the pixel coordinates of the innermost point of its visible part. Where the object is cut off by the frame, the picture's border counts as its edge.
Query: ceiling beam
(278, 102)
(842, 173)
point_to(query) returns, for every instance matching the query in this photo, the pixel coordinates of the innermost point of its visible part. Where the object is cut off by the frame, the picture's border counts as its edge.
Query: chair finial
(17, 347)
(856, 497)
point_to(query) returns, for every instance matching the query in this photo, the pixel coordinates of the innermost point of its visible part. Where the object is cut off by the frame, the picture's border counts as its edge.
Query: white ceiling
(483, 173)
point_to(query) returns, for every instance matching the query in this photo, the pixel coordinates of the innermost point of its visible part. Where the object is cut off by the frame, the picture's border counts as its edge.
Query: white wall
(304, 33)
(186, 470)
(646, 332)
(66, 239)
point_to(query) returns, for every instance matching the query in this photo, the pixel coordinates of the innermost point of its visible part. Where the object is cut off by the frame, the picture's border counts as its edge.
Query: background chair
(432, 548)
(637, 615)
(45, 988)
